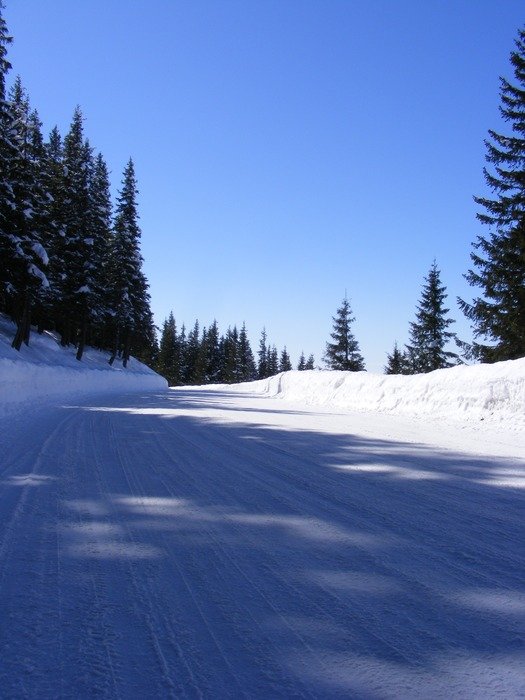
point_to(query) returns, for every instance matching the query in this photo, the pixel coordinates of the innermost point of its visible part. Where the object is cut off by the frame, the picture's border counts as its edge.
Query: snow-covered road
(217, 544)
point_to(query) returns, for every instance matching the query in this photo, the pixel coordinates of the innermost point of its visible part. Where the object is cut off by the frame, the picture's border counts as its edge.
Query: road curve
(213, 544)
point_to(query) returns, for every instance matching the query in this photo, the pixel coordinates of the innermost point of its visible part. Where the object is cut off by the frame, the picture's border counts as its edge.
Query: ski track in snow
(217, 544)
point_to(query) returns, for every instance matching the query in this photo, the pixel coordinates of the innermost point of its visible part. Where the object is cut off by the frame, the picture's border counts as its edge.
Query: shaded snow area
(44, 371)
(224, 542)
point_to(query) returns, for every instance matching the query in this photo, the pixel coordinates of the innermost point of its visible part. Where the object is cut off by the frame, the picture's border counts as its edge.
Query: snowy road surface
(221, 545)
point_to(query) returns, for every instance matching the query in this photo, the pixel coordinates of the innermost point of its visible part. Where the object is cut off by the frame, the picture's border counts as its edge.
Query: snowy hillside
(494, 393)
(45, 370)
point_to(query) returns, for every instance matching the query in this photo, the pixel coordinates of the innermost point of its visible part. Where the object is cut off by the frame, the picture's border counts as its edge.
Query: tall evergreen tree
(230, 371)
(301, 366)
(8, 154)
(343, 353)
(247, 371)
(262, 354)
(310, 362)
(76, 284)
(102, 235)
(499, 258)
(428, 333)
(167, 358)
(133, 320)
(213, 359)
(27, 221)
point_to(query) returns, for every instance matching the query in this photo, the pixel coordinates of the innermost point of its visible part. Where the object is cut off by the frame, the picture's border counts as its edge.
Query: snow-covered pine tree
(301, 365)
(53, 174)
(499, 258)
(27, 221)
(102, 235)
(8, 154)
(343, 353)
(428, 333)
(310, 362)
(76, 292)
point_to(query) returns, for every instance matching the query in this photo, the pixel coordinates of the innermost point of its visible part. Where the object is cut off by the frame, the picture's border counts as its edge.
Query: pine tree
(53, 173)
(397, 362)
(230, 371)
(167, 358)
(247, 371)
(192, 354)
(133, 321)
(102, 236)
(27, 220)
(343, 353)
(8, 154)
(428, 333)
(301, 366)
(499, 258)
(310, 362)
(213, 359)
(273, 361)
(76, 282)
(262, 366)
(285, 364)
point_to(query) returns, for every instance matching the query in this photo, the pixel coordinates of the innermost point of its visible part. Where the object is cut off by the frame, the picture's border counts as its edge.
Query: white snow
(44, 371)
(494, 393)
(315, 535)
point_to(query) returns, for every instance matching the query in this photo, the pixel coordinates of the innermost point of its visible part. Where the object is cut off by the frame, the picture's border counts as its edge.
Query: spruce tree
(27, 220)
(247, 371)
(273, 361)
(301, 366)
(8, 153)
(285, 364)
(397, 362)
(428, 333)
(343, 353)
(167, 357)
(132, 317)
(498, 315)
(213, 360)
(262, 365)
(102, 235)
(76, 282)
(310, 362)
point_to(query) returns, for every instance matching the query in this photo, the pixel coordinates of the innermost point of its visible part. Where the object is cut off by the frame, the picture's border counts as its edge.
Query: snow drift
(46, 371)
(477, 392)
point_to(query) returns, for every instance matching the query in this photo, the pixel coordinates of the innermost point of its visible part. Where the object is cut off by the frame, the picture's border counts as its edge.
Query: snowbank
(477, 392)
(45, 371)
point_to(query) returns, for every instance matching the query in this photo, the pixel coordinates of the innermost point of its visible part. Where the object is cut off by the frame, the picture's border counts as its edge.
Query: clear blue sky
(286, 150)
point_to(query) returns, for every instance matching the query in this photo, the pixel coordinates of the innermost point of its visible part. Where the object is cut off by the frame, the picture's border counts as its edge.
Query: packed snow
(495, 393)
(315, 535)
(44, 371)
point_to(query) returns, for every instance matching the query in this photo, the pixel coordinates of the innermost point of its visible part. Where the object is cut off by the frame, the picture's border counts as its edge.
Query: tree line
(70, 262)
(204, 356)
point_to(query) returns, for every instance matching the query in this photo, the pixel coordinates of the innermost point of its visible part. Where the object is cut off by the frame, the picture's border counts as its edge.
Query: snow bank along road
(218, 544)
